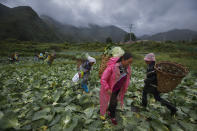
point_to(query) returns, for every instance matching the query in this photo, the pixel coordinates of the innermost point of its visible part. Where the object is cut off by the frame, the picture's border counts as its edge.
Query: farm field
(35, 96)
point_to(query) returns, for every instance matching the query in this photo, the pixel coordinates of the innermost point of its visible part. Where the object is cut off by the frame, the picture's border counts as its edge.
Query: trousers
(113, 103)
(152, 90)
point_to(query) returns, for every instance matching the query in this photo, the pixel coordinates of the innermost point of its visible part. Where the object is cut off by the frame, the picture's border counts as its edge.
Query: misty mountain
(173, 35)
(80, 34)
(24, 24)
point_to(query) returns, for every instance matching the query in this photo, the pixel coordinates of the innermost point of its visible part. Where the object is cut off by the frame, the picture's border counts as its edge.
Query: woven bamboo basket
(169, 75)
(104, 60)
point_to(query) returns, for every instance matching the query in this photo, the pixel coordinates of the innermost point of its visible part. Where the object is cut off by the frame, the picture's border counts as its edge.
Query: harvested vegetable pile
(171, 69)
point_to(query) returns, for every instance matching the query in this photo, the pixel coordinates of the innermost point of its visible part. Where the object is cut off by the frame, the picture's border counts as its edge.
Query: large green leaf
(57, 95)
(188, 126)
(72, 125)
(175, 127)
(89, 111)
(55, 120)
(44, 113)
(9, 120)
(59, 109)
(56, 127)
(1, 115)
(158, 126)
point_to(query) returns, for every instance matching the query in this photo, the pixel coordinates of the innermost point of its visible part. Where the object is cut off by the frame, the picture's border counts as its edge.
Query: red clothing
(108, 79)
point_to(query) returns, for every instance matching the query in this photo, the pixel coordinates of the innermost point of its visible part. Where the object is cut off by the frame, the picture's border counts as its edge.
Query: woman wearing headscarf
(114, 83)
(151, 84)
(85, 69)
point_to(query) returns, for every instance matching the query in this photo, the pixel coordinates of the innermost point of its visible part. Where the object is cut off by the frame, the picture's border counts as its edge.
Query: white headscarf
(90, 59)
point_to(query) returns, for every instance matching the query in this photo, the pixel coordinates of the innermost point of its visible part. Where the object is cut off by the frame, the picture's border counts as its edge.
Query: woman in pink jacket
(114, 83)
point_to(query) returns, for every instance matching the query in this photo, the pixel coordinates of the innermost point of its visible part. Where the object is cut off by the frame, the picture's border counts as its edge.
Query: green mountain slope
(24, 24)
(80, 34)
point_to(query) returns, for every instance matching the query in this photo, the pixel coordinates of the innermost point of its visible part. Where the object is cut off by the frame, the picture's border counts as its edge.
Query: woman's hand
(109, 92)
(79, 75)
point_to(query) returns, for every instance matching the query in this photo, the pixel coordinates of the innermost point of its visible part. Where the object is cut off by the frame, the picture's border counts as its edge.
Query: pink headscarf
(150, 57)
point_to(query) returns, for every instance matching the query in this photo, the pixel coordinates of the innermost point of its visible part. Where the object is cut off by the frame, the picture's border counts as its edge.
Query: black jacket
(151, 75)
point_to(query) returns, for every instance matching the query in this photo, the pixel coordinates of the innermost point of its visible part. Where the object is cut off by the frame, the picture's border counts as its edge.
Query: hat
(91, 59)
(150, 57)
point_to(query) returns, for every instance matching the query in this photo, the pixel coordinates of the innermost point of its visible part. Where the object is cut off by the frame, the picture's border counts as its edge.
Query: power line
(130, 27)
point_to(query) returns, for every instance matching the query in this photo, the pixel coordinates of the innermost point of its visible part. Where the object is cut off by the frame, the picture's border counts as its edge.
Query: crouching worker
(50, 58)
(41, 56)
(151, 84)
(84, 73)
(14, 57)
(114, 83)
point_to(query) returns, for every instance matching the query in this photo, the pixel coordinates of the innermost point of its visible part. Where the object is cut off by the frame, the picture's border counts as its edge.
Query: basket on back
(104, 60)
(109, 52)
(169, 75)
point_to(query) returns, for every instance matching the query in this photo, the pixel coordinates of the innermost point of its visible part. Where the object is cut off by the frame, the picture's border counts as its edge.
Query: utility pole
(130, 27)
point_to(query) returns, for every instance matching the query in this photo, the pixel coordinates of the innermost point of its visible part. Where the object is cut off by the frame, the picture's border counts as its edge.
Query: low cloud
(147, 16)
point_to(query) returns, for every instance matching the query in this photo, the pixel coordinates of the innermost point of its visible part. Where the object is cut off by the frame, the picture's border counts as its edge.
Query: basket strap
(153, 85)
(150, 72)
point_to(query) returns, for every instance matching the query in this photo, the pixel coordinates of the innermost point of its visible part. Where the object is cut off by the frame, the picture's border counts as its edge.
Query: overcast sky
(148, 16)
